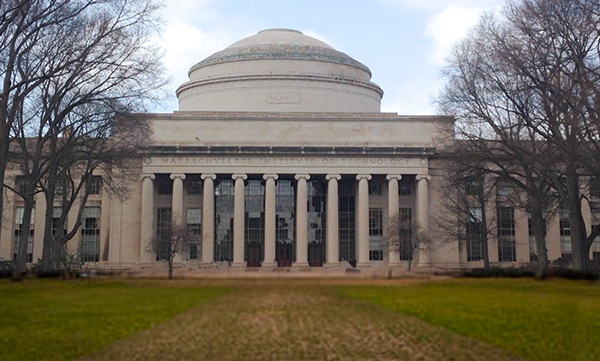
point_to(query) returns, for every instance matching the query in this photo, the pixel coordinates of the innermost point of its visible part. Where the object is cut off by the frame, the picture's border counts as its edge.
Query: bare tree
(468, 196)
(528, 79)
(170, 240)
(87, 69)
(406, 239)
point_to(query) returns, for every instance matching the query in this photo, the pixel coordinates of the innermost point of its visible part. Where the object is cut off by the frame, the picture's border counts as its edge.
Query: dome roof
(280, 70)
(280, 44)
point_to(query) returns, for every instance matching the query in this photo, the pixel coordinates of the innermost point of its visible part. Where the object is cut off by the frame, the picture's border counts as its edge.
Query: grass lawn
(54, 320)
(299, 319)
(552, 320)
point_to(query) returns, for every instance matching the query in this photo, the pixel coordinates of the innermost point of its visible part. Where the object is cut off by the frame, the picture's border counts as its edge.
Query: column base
(300, 264)
(394, 264)
(424, 264)
(363, 265)
(238, 265)
(331, 265)
(269, 264)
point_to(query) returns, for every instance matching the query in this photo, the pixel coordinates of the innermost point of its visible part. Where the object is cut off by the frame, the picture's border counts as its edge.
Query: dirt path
(284, 323)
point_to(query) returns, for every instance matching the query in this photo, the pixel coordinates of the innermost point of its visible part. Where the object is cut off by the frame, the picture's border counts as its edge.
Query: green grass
(555, 320)
(53, 320)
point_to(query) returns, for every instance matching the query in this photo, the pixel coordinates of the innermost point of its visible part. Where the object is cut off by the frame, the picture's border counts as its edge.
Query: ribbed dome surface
(280, 70)
(280, 44)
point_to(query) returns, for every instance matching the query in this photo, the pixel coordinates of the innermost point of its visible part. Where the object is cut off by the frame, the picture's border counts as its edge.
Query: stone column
(269, 260)
(208, 218)
(333, 241)
(147, 218)
(177, 200)
(423, 215)
(393, 209)
(301, 220)
(238, 220)
(363, 220)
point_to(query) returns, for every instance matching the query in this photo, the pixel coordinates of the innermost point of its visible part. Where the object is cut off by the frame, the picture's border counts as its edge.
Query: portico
(256, 216)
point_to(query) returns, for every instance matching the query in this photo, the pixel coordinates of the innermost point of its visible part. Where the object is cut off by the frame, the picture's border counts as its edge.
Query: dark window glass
(347, 220)
(506, 234)
(95, 184)
(224, 193)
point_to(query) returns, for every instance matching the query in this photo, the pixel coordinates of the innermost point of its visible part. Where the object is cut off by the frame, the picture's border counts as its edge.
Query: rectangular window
(163, 233)
(564, 223)
(504, 190)
(194, 188)
(405, 234)
(317, 222)
(285, 210)
(506, 234)
(473, 186)
(376, 234)
(56, 214)
(194, 229)
(594, 187)
(165, 185)
(375, 188)
(473, 229)
(18, 227)
(224, 193)
(95, 184)
(596, 244)
(347, 220)
(404, 188)
(89, 249)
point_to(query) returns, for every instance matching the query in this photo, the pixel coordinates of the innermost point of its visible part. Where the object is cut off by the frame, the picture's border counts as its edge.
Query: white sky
(403, 42)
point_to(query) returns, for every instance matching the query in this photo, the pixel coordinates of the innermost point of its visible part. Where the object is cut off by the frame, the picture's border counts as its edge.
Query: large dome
(280, 70)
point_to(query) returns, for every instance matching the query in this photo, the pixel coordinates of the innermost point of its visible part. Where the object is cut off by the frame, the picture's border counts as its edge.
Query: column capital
(239, 175)
(393, 176)
(177, 175)
(427, 177)
(208, 175)
(147, 175)
(270, 175)
(363, 176)
(302, 176)
(333, 176)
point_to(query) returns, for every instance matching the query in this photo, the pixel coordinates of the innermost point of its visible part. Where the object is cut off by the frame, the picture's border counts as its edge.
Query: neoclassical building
(279, 156)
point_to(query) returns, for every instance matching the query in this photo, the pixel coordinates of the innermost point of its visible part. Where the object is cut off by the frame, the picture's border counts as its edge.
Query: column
(301, 220)
(147, 218)
(393, 208)
(177, 199)
(269, 260)
(238, 220)
(208, 218)
(333, 242)
(423, 215)
(363, 220)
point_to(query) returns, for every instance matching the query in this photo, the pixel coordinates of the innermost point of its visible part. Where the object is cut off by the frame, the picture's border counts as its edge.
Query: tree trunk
(171, 268)
(578, 255)
(48, 251)
(537, 222)
(3, 164)
(484, 232)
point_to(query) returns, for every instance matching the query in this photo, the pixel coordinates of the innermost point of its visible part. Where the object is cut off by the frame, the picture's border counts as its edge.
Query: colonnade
(332, 231)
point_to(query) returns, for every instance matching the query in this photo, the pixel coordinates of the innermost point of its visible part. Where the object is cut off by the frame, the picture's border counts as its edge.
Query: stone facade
(280, 157)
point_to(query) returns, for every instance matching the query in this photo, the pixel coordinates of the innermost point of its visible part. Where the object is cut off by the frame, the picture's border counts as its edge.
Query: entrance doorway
(254, 254)
(316, 254)
(285, 254)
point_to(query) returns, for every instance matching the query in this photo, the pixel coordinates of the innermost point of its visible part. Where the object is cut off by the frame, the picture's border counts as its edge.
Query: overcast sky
(403, 42)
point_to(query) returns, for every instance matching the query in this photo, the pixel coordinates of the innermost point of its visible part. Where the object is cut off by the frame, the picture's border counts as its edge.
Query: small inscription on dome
(283, 98)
